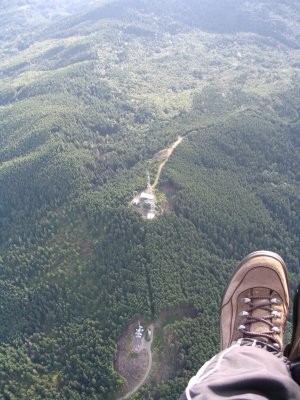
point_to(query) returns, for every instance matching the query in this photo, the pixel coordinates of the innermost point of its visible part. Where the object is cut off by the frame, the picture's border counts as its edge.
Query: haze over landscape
(95, 96)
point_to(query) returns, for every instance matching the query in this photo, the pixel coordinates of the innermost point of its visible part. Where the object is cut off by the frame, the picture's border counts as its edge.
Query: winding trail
(169, 151)
(146, 346)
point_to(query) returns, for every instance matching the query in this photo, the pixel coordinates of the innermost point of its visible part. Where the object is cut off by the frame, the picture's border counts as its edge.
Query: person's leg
(243, 372)
(253, 314)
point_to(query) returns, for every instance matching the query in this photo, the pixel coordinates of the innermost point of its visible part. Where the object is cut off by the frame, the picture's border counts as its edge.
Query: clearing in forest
(146, 202)
(134, 360)
(159, 362)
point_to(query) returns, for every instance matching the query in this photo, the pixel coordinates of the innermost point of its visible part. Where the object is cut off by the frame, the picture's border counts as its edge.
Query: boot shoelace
(266, 306)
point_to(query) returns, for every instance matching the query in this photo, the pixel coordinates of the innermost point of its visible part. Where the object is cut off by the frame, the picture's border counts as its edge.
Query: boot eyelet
(243, 314)
(275, 329)
(276, 314)
(275, 301)
(246, 300)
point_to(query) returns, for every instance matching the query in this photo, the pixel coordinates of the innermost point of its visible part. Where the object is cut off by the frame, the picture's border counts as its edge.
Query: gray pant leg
(243, 373)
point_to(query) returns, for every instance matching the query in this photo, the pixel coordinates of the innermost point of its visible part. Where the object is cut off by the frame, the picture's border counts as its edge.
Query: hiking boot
(256, 300)
(292, 350)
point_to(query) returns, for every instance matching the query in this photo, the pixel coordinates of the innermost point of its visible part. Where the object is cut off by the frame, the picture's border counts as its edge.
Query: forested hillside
(90, 93)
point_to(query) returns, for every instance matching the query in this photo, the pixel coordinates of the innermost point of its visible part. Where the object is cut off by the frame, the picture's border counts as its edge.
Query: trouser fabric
(244, 372)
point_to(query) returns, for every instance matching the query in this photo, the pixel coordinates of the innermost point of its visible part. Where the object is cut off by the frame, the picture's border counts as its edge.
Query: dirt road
(162, 164)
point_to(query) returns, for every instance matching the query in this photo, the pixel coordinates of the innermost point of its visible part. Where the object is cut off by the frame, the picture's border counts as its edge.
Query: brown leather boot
(256, 300)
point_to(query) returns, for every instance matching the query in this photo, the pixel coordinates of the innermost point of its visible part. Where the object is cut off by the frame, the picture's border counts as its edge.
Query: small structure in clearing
(145, 202)
(137, 342)
(139, 331)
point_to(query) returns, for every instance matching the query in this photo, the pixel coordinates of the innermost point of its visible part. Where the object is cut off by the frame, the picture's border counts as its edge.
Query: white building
(147, 196)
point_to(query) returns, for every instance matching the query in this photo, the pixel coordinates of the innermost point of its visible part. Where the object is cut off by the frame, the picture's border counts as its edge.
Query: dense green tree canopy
(90, 94)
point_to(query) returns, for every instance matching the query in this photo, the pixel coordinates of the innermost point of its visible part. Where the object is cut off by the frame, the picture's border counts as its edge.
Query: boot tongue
(262, 308)
(260, 297)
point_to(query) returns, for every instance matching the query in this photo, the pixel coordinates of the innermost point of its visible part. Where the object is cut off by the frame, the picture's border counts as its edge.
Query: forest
(90, 93)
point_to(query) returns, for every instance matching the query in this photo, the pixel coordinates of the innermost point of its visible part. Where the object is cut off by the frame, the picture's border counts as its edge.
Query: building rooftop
(147, 196)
